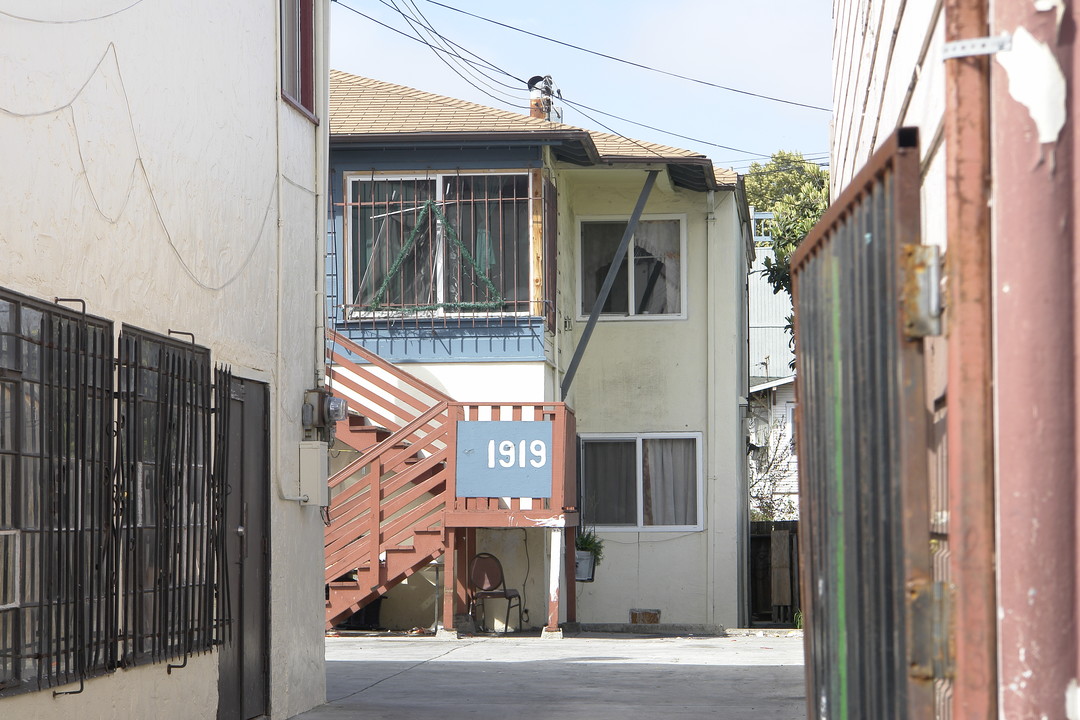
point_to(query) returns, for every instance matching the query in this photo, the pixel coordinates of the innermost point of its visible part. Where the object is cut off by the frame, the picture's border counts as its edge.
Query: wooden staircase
(395, 508)
(387, 507)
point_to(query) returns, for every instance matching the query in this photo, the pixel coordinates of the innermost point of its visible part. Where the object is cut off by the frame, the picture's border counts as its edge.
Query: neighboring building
(771, 354)
(164, 178)
(953, 129)
(774, 480)
(469, 247)
(774, 469)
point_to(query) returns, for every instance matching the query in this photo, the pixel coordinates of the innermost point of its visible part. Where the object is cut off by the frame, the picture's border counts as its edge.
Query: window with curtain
(650, 277)
(455, 243)
(644, 481)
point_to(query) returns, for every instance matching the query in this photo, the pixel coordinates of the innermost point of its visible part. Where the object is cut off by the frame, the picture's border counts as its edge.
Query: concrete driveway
(596, 676)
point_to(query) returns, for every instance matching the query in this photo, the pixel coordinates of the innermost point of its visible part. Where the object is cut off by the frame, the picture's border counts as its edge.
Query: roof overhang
(572, 146)
(772, 384)
(692, 173)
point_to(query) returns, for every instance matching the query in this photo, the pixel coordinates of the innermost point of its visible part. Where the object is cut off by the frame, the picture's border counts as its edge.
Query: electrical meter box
(314, 472)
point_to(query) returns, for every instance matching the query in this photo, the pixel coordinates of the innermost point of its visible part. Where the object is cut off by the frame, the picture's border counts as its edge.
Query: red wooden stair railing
(395, 508)
(387, 506)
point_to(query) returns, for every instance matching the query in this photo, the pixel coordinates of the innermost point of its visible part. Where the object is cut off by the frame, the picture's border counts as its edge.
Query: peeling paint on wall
(1036, 82)
(553, 522)
(1057, 6)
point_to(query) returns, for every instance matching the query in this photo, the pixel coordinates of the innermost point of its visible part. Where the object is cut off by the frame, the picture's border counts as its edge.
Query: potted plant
(589, 552)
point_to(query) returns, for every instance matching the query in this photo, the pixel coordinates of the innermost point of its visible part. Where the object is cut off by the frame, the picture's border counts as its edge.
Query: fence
(873, 646)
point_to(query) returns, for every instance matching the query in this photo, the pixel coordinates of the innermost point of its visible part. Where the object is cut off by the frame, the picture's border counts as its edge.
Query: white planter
(585, 565)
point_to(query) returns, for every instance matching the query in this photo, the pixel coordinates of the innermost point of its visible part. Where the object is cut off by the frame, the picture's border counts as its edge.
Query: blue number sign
(502, 458)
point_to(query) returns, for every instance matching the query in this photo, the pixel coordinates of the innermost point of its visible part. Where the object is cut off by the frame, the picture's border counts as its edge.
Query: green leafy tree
(796, 192)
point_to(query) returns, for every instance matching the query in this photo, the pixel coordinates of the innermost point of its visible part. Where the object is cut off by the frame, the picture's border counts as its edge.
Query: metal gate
(869, 600)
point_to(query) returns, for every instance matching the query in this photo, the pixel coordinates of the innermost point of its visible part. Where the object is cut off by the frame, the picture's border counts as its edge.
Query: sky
(777, 48)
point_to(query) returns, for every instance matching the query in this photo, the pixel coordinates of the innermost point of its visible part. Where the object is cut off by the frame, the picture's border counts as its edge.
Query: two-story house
(487, 266)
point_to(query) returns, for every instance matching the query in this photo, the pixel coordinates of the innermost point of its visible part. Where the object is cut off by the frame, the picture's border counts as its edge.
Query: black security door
(243, 681)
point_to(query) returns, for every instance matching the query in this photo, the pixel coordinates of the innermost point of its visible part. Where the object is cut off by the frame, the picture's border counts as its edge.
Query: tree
(772, 471)
(796, 192)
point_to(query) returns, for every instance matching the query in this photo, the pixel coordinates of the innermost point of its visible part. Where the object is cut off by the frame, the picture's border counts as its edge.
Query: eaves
(568, 145)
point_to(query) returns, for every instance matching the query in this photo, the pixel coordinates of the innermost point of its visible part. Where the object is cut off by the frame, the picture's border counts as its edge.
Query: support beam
(609, 280)
(970, 432)
(571, 574)
(450, 578)
(555, 566)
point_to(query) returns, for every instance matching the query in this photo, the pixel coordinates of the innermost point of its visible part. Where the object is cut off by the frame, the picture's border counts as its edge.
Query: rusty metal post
(970, 412)
(1035, 361)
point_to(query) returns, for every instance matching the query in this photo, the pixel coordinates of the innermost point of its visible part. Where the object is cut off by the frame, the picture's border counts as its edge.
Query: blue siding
(451, 339)
(489, 339)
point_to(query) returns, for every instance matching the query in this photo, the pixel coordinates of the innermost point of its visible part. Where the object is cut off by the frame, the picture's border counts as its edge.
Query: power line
(423, 42)
(810, 159)
(463, 63)
(631, 62)
(508, 98)
(580, 107)
(619, 134)
(666, 132)
(484, 62)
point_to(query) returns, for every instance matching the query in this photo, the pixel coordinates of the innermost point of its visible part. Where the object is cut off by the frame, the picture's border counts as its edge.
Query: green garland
(395, 268)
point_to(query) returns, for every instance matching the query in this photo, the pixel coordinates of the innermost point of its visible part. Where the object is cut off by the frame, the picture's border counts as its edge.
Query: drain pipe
(969, 424)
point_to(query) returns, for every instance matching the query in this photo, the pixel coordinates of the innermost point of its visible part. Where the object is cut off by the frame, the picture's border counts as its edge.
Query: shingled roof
(363, 110)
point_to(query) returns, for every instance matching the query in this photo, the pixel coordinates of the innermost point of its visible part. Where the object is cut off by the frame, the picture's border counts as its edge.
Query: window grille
(452, 243)
(57, 601)
(171, 527)
(111, 533)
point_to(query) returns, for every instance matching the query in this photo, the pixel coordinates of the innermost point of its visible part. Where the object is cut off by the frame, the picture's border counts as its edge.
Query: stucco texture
(139, 181)
(650, 375)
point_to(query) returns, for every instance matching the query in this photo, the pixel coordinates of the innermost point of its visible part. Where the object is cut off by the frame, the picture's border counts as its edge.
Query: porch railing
(391, 508)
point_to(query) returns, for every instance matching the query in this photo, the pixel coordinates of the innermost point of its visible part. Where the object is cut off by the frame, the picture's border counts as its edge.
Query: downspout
(745, 263)
(322, 184)
(969, 425)
(711, 381)
(1034, 360)
(277, 438)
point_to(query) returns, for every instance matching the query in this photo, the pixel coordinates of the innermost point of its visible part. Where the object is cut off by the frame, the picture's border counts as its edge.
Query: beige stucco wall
(187, 693)
(523, 554)
(137, 179)
(651, 375)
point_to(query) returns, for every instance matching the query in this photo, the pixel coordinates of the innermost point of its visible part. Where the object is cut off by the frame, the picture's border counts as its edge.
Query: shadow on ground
(662, 679)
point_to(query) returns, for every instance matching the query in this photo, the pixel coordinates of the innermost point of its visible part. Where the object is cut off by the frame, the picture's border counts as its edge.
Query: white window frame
(630, 315)
(637, 438)
(349, 178)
